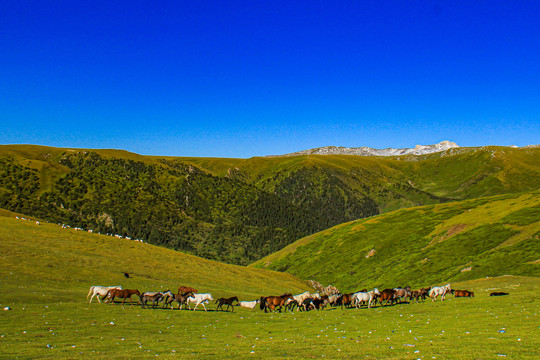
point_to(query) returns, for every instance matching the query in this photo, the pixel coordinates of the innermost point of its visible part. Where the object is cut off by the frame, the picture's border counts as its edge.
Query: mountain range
(367, 151)
(240, 210)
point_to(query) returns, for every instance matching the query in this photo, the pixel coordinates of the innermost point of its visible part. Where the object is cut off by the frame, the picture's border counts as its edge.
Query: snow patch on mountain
(367, 151)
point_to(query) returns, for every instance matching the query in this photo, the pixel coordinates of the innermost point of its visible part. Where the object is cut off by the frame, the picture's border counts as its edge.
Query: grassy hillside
(420, 246)
(46, 272)
(61, 264)
(239, 210)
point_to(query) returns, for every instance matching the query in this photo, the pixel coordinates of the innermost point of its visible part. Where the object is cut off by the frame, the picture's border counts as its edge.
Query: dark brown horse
(123, 294)
(226, 301)
(274, 302)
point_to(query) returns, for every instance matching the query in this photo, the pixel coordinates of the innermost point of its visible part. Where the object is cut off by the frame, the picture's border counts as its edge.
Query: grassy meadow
(47, 271)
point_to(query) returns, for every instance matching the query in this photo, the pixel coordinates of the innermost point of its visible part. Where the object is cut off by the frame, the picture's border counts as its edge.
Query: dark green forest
(181, 207)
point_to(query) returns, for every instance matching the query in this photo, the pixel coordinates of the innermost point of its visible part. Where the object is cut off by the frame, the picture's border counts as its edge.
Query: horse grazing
(123, 294)
(248, 304)
(363, 296)
(498, 293)
(274, 302)
(199, 299)
(100, 291)
(186, 289)
(226, 301)
(462, 293)
(154, 297)
(181, 299)
(439, 290)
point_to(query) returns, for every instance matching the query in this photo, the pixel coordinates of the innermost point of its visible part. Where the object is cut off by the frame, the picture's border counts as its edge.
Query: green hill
(61, 264)
(419, 246)
(239, 210)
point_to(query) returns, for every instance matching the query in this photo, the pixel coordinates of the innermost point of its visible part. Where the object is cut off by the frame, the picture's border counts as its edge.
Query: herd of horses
(301, 302)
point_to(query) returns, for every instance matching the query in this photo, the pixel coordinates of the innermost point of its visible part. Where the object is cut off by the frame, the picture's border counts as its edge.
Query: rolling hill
(420, 246)
(61, 264)
(239, 210)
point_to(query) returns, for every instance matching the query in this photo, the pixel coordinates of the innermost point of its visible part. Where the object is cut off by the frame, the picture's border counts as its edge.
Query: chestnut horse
(123, 294)
(186, 289)
(274, 302)
(387, 295)
(462, 293)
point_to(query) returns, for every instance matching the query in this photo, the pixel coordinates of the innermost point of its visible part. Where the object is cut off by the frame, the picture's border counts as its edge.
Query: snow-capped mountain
(367, 151)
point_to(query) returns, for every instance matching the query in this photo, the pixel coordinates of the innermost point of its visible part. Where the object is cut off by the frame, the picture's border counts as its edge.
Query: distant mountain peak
(367, 151)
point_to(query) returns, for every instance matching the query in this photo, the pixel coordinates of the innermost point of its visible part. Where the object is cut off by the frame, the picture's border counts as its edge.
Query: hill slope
(239, 210)
(62, 264)
(421, 246)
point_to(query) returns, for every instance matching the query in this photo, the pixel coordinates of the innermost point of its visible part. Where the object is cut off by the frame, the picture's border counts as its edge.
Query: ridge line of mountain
(368, 151)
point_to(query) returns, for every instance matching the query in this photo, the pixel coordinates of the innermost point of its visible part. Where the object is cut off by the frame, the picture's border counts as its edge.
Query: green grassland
(419, 246)
(46, 272)
(61, 264)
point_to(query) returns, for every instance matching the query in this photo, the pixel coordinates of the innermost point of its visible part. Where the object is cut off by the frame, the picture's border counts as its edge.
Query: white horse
(439, 290)
(101, 291)
(299, 299)
(333, 298)
(248, 304)
(360, 296)
(199, 299)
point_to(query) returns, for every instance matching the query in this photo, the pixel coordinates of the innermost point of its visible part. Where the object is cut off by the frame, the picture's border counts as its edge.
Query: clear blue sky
(251, 78)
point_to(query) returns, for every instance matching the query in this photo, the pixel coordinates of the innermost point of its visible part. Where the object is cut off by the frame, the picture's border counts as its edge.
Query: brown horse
(462, 293)
(180, 298)
(123, 294)
(420, 293)
(387, 295)
(274, 302)
(226, 301)
(345, 300)
(186, 289)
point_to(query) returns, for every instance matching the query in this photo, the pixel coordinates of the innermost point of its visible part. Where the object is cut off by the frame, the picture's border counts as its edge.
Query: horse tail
(91, 290)
(262, 303)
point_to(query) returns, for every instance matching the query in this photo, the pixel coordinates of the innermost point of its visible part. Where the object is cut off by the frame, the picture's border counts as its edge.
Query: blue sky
(253, 78)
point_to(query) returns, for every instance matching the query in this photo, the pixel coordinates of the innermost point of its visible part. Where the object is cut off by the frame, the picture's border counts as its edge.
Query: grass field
(46, 272)
(478, 328)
